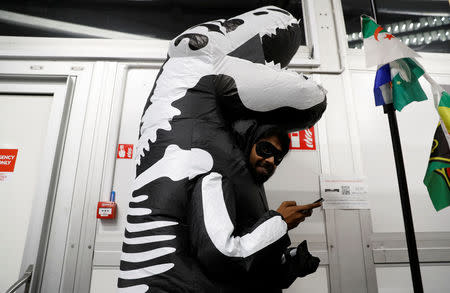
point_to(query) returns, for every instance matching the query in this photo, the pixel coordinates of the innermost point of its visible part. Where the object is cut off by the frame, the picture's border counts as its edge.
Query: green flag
(406, 88)
(397, 77)
(437, 177)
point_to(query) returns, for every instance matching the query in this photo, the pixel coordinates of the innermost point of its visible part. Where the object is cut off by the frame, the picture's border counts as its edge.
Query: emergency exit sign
(303, 140)
(8, 159)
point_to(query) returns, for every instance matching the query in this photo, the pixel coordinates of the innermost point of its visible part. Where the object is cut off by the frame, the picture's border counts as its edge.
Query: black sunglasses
(266, 150)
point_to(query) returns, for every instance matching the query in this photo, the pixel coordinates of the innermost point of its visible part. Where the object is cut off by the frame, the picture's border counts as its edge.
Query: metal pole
(404, 198)
(374, 10)
(403, 188)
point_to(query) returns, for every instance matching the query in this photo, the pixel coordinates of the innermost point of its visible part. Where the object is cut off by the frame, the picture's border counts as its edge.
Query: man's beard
(261, 177)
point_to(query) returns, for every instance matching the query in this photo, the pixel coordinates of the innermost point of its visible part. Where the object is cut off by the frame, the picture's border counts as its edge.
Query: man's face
(263, 168)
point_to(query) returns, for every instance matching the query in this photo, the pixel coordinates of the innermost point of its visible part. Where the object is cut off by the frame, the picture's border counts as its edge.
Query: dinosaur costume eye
(232, 24)
(196, 41)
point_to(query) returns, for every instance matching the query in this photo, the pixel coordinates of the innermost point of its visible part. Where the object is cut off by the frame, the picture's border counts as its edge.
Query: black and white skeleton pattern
(197, 222)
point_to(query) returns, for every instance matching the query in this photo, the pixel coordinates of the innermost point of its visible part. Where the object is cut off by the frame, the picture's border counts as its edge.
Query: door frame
(67, 84)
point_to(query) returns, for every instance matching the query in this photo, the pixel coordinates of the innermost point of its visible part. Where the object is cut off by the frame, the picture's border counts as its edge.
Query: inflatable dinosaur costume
(195, 221)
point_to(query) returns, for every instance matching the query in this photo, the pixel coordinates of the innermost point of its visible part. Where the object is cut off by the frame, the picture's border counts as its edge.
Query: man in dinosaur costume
(195, 221)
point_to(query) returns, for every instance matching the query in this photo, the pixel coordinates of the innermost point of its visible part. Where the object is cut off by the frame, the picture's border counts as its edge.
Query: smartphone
(319, 200)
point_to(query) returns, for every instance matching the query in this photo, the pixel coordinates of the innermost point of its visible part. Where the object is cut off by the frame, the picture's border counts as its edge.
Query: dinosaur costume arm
(214, 241)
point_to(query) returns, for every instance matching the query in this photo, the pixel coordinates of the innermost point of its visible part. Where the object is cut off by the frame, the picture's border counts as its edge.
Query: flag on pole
(382, 88)
(397, 82)
(397, 77)
(380, 46)
(437, 176)
(406, 88)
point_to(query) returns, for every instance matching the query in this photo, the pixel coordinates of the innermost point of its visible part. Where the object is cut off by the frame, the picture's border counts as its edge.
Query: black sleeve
(212, 233)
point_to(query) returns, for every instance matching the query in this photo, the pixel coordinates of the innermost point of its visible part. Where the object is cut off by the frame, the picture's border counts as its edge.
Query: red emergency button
(107, 209)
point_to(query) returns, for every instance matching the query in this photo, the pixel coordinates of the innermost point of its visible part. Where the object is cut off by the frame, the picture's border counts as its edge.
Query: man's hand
(294, 214)
(306, 263)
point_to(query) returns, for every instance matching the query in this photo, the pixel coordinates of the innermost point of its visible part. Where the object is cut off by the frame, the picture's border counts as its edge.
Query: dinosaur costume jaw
(280, 47)
(274, 32)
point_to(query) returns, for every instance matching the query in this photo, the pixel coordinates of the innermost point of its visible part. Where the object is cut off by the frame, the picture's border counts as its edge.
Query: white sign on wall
(344, 192)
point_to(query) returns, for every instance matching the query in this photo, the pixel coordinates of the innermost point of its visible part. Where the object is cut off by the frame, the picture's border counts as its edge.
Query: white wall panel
(398, 279)
(104, 280)
(138, 83)
(337, 127)
(311, 283)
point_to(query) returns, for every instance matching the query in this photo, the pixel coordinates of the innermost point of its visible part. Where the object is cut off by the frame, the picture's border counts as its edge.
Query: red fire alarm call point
(107, 209)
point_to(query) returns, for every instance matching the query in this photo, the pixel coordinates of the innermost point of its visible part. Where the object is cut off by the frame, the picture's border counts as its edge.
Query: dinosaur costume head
(249, 53)
(216, 73)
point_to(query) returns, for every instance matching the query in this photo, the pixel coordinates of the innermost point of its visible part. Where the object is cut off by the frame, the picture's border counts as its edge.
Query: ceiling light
(442, 35)
(428, 38)
(396, 28)
(434, 35)
(403, 27)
